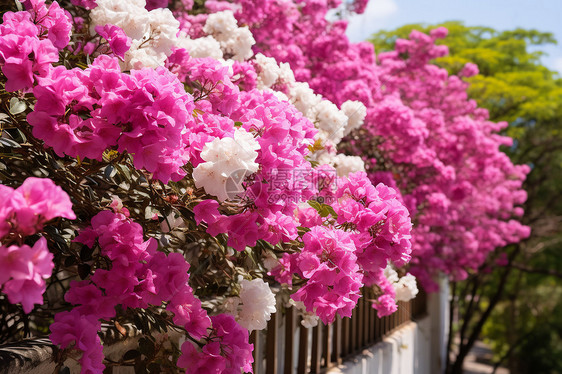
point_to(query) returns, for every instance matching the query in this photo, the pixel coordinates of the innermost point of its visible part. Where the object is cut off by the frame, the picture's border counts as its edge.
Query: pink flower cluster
(23, 212)
(318, 50)
(79, 331)
(320, 54)
(23, 271)
(52, 21)
(282, 133)
(118, 41)
(139, 276)
(226, 350)
(271, 196)
(81, 113)
(329, 264)
(377, 223)
(26, 209)
(213, 82)
(24, 54)
(385, 304)
(380, 223)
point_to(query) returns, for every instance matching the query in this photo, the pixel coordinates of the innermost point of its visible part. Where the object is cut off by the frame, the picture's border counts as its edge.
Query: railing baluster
(377, 326)
(328, 337)
(326, 346)
(372, 319)
(271, 345)
(353, 332)
(366, 326)
(360, 324)
(290, 327)
(386, 321)
(337, 340)
(256, 340)
(255, 352)
(303, 350)
(408, 314)
(346, 326)
(316, 349)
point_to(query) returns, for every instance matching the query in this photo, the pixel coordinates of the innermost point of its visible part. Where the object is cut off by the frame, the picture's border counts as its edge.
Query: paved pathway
(479, 361)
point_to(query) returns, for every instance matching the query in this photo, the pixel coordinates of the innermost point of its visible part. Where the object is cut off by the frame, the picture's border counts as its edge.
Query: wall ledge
(405, 351)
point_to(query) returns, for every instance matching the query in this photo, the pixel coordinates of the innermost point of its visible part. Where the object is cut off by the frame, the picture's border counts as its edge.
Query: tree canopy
(523, 324)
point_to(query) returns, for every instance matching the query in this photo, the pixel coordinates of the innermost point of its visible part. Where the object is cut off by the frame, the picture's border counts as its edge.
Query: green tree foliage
(518, 307)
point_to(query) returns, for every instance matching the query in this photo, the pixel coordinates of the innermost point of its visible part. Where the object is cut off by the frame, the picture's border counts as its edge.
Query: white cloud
(363, 25)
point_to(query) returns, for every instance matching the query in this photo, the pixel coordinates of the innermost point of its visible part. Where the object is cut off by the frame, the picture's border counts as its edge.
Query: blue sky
(543, 15)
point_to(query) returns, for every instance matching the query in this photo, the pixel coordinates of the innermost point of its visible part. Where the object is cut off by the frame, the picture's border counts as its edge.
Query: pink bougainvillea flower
(119, 42)
(23, 272)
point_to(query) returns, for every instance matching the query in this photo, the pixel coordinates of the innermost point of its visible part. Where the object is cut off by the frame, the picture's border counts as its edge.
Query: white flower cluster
(304, 99)
(271, 73)
(330, 121)
(346, 165)
(356, 112)
(391, 274)
(309, 319)
(227, 159)
(206, 46)
(343, 164)
(406, 287)
(333, 124)
(254, 306)
(224, 39)
(153, 33)
(131, 16)
(236, 42)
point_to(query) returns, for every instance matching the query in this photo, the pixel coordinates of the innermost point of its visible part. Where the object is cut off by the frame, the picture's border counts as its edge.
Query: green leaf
(124, 172)
(324, 210)
(9, 143)
(302, 230)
